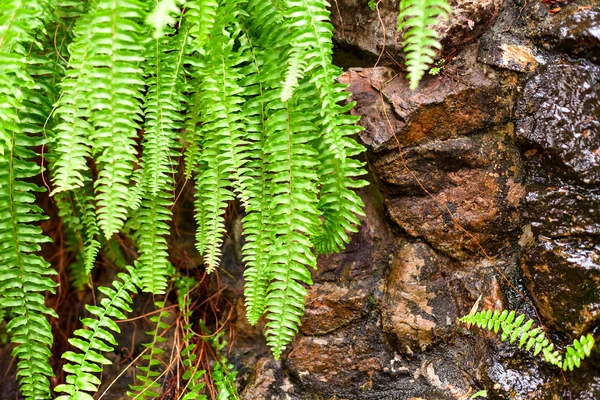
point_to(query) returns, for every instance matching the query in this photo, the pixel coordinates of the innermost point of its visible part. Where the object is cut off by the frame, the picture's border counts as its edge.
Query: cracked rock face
(506, 141)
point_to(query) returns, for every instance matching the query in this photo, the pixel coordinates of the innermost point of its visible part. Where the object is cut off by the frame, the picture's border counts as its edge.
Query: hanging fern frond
(115, 84)
(25, 276)
(224, 121)
(72, 142)
(513, 328)
(420, 40)
(257, 225)
(337, 173)
(96, 338)
(201, 16)
(19, 23)
(79, 220)
(149, 387)
(291, 163)
(164, 102)
(225, 147)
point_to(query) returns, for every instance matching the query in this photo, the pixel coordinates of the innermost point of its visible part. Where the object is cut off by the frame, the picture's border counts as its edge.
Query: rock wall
(507, 142)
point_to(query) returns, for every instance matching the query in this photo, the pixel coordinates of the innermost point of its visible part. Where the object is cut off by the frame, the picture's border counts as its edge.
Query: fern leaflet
(513, 328)
(418, 16)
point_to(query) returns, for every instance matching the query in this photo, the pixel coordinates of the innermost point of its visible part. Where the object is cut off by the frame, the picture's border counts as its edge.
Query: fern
(257, 224)
(164, 101)
(193, 375)
(114, 85)
(96, 338)
(420, 40)
(338, 202)
(148, 386)
(513, 328)
(79, 217)
(250, 87)
(291, 163)
(72, 135)
(25, 276)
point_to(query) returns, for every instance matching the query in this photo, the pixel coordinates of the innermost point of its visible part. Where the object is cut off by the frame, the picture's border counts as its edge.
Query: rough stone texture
(558, 121)
(472, 176)
(564, 276)
(359, 27)
(417, 307)
(575, 31)
(476, 98)
(560, 113)
(506, 138)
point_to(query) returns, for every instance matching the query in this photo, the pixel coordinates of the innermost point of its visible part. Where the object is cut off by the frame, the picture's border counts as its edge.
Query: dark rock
(563, 276)
(559, 114)
(575, 30)
(561, 209)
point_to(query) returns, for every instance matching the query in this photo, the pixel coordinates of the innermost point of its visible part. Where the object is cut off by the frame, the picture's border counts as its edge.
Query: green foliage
(513, 328)
(481, 393)
(420, 40)
(238, 95)
(148, 373)
(97, 338)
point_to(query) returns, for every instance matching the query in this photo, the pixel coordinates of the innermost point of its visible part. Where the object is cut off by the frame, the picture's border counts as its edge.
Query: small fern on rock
(418, 18)
(513, 328)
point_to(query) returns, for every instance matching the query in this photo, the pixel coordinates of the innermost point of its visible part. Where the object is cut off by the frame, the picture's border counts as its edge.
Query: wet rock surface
(505, 140)
(564, 275)
(559, 113)
(575, 31)
(359, 27)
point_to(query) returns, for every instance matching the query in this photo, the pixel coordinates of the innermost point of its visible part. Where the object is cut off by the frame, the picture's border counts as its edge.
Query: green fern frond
(295, 72)
(96, 338)
(115, 84)
(201, 15)
(193, 130)
(153, 265)
(338, 201)
(291, 163)
(222, 104)
(19, 23)
(164, 102)
(72, 141)
(149, 387)
(339, 176)
(25, 276)
(79, 221)
(256, 224)
(211, 201)
(420, 40)
(513, 328)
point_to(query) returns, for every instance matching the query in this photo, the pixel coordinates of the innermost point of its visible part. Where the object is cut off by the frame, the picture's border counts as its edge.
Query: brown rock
(441, 108)
(357, 26)
(332, 306)
(345, 359)
(472, 176)
(417, 306)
